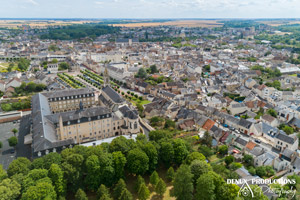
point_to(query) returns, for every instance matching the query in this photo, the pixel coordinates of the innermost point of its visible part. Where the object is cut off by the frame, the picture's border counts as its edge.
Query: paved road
(6, 157)
(22, 149)
(146, 131)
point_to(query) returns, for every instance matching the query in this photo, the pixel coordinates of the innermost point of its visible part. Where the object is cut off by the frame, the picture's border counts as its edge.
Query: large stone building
(68, 100)
(60, 125)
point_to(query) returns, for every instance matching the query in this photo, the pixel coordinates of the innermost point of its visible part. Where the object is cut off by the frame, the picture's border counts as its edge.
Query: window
(90, 134)
(70, 133)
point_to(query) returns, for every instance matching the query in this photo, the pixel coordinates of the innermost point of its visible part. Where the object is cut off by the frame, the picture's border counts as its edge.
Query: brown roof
(208, 124)
(250, 104)
(261, 104)
(268, 118)
(261, 87)
(250, 145)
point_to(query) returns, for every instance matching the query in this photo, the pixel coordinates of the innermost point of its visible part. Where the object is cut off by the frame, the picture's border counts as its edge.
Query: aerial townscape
(149, 109)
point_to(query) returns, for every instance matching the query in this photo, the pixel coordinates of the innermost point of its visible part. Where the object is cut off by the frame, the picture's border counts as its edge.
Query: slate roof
(112, 94)
(131, 114)
(43, 129)
(285, 138)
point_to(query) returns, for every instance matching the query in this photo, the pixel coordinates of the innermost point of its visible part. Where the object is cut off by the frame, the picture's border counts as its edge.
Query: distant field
(180, 23)
(280, 22)
(39, 23)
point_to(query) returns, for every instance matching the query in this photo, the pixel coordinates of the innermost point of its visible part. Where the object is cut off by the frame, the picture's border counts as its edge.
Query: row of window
(71, 97)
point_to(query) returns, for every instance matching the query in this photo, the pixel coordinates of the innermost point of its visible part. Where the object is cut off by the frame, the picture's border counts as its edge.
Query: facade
(65, 118)
(68, 100)
(52, 68)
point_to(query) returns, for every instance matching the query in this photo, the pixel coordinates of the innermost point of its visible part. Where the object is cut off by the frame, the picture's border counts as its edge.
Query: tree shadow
(157, 197)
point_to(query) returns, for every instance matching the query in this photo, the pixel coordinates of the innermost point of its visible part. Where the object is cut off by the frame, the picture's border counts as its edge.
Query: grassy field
(4, 66)
(280, 22)
(135, 101)
(41, 23)
(179, 23)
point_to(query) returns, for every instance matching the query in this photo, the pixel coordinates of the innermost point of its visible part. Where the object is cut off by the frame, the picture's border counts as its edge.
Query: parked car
(257, 141)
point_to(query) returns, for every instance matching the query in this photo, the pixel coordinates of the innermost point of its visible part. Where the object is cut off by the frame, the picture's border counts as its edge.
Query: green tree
(80, 195)
(229, 159)
(20, 165)
(13, 141)
(252, 170)
(120, 144)
(261, 171)
(170, 174)
(223, 149)
(153, 69)
(1, 145)
(119, 188)
(206, 139)
(126, 195)
(92, 179)
(154, 178)
(183, 183)
(248, 159)
(14, 130)
(119, 162)
(143, 192)
(194, 156)
(102, 191)
(180, 151)
(9, 189)
(288, 130)
(141, 73)
(139, 181)
(198, 168)
(205, 150)
(138, 161)
(152, 154)
(205, 187)
(40, 191)
(3, 174)
(57, 176)
(63, 66)
(160, 187)
(272, 112)
(169, 124)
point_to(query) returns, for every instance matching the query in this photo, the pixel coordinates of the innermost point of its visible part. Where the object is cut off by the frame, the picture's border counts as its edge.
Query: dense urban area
(100, 111)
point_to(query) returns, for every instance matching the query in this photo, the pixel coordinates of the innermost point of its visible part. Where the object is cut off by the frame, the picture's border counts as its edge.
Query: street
(6, 156)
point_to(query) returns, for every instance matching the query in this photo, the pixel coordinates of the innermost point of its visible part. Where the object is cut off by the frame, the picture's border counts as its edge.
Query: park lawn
(135, 101)
(293, 75)
(4, 66)
(213, 158)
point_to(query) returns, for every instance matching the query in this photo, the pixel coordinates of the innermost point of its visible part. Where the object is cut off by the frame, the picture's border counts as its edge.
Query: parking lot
(6, 155)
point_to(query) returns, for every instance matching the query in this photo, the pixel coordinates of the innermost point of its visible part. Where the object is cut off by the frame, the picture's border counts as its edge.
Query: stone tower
(106, 76)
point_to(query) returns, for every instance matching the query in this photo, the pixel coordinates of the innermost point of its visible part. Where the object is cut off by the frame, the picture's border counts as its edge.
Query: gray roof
(241, 141)
(285, 138)
(43, 129)
(112, 94)
(131, 114)
(69, 92)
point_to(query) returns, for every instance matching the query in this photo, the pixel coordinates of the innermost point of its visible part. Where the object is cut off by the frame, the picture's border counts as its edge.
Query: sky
(149, 9)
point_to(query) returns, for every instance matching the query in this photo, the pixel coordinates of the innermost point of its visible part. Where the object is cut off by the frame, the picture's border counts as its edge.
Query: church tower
(106, 76)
